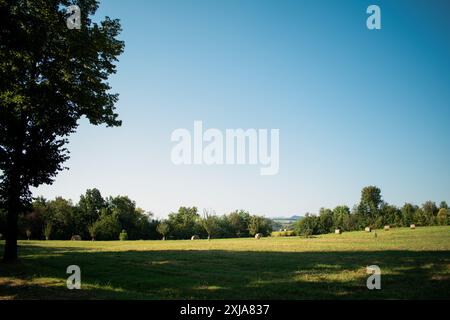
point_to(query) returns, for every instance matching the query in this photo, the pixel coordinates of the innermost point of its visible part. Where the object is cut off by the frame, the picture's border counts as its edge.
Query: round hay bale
(195, 237)
(368, 229)
(387, 228)
(413, 226)
(338, 231)
(258, 236)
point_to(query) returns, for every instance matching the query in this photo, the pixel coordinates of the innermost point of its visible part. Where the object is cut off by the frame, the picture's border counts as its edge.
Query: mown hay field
(415, 264)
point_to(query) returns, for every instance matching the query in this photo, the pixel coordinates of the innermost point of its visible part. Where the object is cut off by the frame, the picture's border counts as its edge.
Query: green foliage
(373, 212)
(91, 216)
(288, 233)
(185, 223)
(259, 224)
(389, 215)
(210, 223)
(123, 235)
(89, 206)
(127, 214)
(238, 222)
(50, 77)
(408, 211)
(145, 227)
(163, 229)
(48, 228)
(325, 223)
(61, 214)
(369, 206)
(442, 216)
(108, 226)
(307, 226)
(93, 229)
(120, 213)
(341, 216)
(420, 218)
(430, 211)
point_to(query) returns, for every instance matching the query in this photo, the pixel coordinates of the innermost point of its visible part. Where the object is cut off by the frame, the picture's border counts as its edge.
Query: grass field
(415, 264)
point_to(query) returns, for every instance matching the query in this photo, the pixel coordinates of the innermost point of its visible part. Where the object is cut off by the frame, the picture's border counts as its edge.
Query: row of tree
(187, 222)
(373, 212)
(98, 218)
(95, 217)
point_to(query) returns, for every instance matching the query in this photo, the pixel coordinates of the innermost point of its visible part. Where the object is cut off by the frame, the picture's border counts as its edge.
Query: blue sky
(354, 107)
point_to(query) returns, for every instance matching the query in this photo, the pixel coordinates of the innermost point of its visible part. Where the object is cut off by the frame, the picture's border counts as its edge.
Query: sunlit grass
(414, 263)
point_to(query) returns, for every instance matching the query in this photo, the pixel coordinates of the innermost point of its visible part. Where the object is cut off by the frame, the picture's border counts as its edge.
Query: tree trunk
(10, 253)
(13, 203)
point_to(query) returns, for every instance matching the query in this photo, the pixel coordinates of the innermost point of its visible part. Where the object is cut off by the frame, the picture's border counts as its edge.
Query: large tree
(185, 223)
(89, 207)
(370, 204)
(238, 223)
(210, 223)
(50, 77)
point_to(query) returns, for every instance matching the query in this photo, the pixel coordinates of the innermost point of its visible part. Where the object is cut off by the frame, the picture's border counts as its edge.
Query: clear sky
(354, 107)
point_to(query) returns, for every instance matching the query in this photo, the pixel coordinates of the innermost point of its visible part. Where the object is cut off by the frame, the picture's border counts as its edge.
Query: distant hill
(287, 219)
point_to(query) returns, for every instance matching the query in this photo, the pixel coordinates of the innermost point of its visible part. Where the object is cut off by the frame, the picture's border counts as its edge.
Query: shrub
(288, 233)
(123, 235)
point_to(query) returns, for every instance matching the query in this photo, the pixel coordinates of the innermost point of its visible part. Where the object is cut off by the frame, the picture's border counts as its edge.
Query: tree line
(98, 218)
(373, 212)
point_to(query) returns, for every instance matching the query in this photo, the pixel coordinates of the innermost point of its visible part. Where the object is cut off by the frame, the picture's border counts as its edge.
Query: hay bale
(387, 228)
(258, 236)
(413, 226)
(195, 237)
(368, 229)
(338, 231)
(76, 238)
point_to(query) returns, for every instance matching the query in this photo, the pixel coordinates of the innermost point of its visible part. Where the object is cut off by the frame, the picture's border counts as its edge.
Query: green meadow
(415, 264)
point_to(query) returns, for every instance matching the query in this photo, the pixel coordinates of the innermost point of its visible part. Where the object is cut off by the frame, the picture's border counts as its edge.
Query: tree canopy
(50, 77)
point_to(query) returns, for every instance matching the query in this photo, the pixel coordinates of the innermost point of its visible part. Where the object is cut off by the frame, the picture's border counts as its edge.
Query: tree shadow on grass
(220, 274)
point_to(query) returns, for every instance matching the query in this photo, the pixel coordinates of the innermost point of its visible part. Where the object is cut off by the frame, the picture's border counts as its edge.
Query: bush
(123, 235)
(288, 233)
